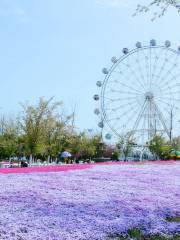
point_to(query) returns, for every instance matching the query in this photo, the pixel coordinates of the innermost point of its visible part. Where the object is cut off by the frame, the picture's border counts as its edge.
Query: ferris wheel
(140, 94)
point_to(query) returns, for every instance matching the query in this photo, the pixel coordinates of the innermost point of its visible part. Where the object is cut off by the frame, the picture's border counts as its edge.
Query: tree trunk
(30, 160)
(48, 160)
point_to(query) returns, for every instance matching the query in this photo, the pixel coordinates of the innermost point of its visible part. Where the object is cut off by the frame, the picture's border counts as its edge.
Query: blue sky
(58, 48)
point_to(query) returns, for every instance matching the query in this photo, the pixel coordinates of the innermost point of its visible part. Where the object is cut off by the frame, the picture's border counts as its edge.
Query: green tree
(8, 146)
(34, 122)
(88, 146)
(9, 135)
(115, 154)
(160, 147)
(126, 144)
(82, 145)
(175, 143)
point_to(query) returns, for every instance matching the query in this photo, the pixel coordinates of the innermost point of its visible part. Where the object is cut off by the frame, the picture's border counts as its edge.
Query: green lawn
(135, 234)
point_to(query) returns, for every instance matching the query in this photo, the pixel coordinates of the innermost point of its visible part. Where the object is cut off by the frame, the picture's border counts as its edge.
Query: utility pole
(155, 128)
(101, 143)
(171, 124)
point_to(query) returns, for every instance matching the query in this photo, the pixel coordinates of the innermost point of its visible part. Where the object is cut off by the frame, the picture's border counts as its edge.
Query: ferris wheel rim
(111, 69)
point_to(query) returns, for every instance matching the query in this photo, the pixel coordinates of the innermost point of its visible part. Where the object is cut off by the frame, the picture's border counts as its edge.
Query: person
(66, 160)
(24, 164)
(10, 163)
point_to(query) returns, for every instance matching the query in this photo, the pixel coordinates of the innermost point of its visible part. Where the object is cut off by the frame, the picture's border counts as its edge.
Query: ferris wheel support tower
(151, 112)
(139, 91)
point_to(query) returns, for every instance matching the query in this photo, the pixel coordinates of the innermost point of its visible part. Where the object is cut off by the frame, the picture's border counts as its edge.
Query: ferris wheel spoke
(163, 101)
(166, 94)
(169, 72)
(122, 92)
(140, 90)
(133, 73)
(120, 106)
(116, 121)
(169, 99)
(123, 84)
(145, 60)
(172, 99)
(154, 68)
(146, 67)
(130, 87)
(168, 103)
(169, 89)
(119, 99)
(172, 86)
(140, 115)
(138, 61)
(132, 116)
(123, 114)
(115, 109)
(144, 126)
(171, 80)
(161, 119)
(175, 77)
(150, 68)
(162, 66)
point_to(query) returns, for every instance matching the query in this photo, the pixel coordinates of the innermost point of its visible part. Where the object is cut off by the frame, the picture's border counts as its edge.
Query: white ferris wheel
(140, 94)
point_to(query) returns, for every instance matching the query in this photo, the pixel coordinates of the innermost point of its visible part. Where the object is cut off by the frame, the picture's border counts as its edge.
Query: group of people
(68, 161)
(64, 156)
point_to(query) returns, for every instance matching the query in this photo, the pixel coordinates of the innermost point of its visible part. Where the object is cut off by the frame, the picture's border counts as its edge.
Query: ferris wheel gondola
(139, 91)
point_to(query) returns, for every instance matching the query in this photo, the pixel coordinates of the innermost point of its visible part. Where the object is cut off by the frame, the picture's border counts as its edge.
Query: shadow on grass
(136, 234)
(173, 219)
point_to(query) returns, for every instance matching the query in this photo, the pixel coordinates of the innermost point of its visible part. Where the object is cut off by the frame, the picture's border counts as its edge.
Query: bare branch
(161, 5)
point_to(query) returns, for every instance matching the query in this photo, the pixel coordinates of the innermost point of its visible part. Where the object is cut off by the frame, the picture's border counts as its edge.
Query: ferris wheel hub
(138, 92)
(149, 96)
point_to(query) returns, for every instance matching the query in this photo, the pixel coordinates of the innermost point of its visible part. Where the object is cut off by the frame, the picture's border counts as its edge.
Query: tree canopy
(43, 131)
(125, 144)
(159, 7)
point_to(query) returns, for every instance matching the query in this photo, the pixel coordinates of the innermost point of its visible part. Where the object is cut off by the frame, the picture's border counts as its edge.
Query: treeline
(163, 148)
(158, 148)
(42, 131)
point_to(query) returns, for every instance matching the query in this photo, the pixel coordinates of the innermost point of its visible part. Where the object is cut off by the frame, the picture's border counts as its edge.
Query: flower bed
(34, 169)
(94, 203)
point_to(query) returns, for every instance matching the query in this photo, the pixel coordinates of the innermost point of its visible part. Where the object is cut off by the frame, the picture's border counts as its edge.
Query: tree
(87, 145)
(176, 143)
(163, 6)
(125, 144)
(160, 147)
(9, 134)
(111, 151)
(35, 123)
(115, 155)
(57, 130)
(48, 130)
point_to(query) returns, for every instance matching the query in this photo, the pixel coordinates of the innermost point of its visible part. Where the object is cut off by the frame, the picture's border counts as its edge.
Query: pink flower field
(91, 203)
